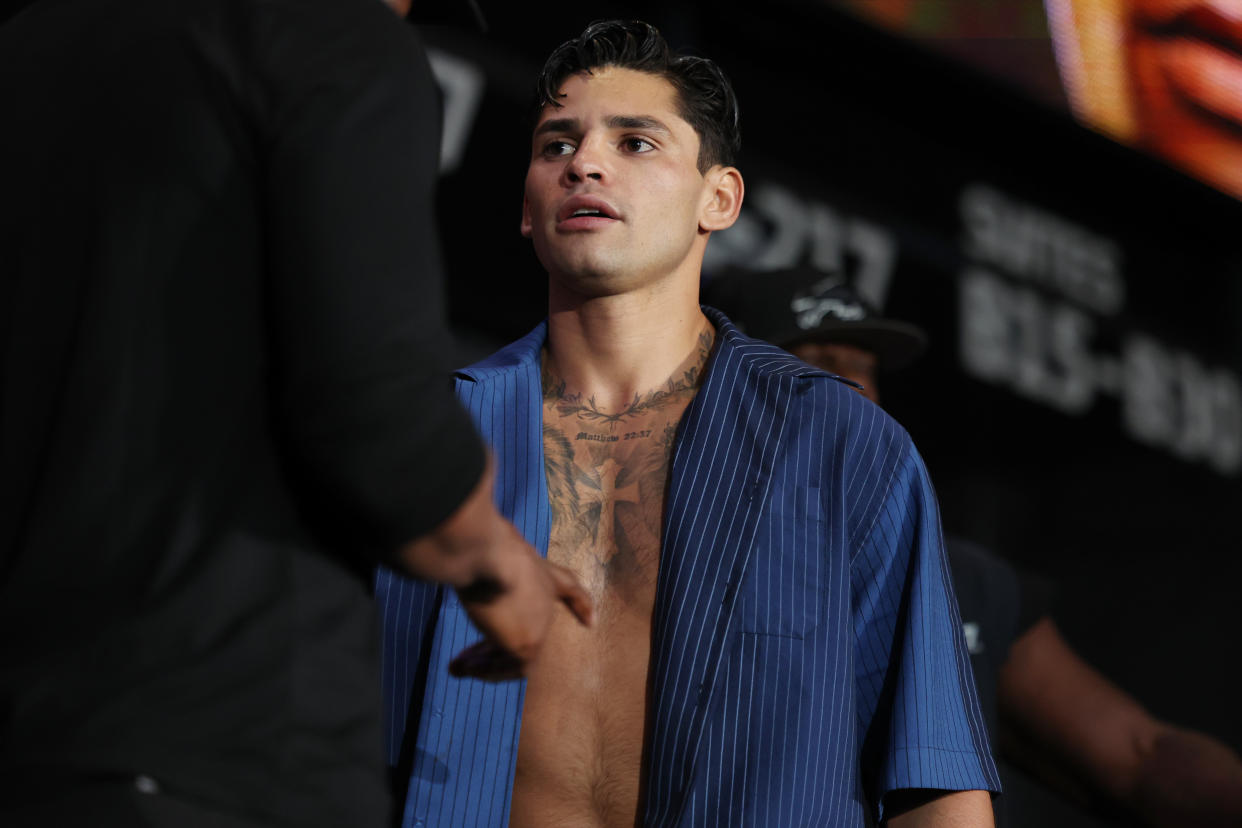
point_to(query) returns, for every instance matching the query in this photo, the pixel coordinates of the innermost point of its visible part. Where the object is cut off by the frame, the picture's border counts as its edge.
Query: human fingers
(516, 611)
(486, 661)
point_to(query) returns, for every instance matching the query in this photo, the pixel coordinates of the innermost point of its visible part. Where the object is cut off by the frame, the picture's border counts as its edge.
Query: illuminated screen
(1161, 75)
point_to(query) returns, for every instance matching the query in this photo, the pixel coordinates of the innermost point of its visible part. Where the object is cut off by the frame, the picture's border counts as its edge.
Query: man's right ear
(723, 201)
(526, 223)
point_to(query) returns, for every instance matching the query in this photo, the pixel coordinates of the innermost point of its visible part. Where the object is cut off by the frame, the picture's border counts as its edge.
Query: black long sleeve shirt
(222, 354)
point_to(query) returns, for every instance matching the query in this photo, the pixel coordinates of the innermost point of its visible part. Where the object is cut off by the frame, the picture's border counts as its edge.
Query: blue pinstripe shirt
(807, 652)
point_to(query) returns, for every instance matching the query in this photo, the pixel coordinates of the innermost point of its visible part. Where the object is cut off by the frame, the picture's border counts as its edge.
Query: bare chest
(580, 756)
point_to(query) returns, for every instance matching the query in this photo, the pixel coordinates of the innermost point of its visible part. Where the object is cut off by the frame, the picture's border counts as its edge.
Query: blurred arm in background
(1063, 719)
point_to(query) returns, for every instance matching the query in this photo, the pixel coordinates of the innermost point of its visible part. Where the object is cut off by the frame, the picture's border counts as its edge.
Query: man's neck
(614, 347)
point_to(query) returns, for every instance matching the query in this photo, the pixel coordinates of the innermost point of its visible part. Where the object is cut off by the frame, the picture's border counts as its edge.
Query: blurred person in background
(1048, 711)
(223, 400)
(776, 642)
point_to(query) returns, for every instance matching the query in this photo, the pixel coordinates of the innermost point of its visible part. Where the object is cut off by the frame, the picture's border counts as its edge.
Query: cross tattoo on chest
(604, 492)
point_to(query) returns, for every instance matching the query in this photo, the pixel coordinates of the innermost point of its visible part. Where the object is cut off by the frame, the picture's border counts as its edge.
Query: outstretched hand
(513, 609)
(510, 593)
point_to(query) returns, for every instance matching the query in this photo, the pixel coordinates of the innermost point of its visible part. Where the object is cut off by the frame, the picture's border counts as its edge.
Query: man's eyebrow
(557, 125)
(643, 122)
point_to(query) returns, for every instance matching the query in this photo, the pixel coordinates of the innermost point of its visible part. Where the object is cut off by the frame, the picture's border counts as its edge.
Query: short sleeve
(919, 713)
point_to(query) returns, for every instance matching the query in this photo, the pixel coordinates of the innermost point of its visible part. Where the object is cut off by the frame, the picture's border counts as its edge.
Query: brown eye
(557, 148)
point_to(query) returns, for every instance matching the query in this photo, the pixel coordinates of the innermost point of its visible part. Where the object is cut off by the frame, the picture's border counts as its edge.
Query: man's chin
(584, 283)
(586, 270)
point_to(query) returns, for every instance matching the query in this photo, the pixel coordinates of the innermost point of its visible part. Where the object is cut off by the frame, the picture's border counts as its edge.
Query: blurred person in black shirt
(223, 399)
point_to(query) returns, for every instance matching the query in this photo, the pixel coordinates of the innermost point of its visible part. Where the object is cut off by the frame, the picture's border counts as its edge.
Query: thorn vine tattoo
(553, 388)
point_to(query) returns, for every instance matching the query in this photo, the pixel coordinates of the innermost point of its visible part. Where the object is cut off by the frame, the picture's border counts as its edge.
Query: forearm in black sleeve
(381, 451)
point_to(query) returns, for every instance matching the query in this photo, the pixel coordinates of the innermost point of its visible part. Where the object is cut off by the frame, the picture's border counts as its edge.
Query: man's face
(847, 361)
(1186, 64)
(614, 197)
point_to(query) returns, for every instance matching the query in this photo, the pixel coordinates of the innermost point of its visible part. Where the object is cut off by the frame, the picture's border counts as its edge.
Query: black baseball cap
(805, 304)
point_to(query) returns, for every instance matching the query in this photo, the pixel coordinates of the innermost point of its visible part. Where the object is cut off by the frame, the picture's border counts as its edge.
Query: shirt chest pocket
(782, 592)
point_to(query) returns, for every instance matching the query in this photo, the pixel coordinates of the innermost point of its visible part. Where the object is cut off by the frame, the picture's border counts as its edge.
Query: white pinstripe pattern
(801, 561)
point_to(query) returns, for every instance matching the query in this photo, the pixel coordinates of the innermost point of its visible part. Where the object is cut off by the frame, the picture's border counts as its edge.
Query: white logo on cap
(809, 311)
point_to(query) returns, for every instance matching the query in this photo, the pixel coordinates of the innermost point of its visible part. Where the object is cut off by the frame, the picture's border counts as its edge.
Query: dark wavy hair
(704, 95)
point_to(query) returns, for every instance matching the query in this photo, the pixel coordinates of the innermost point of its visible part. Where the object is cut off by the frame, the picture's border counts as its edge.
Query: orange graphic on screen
(1161, 75)
(1164, 75)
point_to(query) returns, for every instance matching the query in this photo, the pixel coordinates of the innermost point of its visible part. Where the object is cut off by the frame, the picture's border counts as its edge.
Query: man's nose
(588, 162)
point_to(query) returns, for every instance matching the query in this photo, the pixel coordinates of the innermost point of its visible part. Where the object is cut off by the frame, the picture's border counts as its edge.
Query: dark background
(857, 148)
(858, 132)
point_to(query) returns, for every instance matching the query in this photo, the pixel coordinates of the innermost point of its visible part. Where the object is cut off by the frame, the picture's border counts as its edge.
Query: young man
(776, 642)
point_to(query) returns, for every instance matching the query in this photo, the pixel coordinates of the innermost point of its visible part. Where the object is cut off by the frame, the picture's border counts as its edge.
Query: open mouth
(584, 209)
